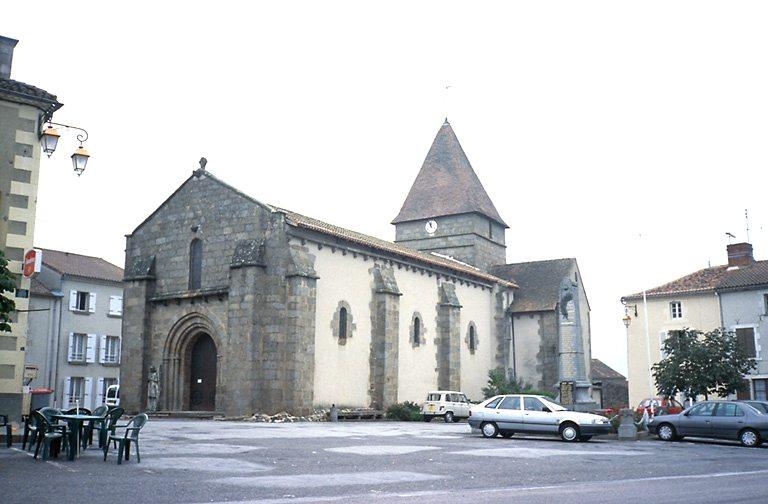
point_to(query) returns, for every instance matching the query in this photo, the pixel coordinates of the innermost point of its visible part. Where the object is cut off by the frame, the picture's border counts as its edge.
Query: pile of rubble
(282, 417)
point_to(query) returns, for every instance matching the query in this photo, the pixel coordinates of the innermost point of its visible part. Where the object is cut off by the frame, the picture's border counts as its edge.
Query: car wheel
(666, 432)
(489, 429)
(448, 417)
(427, 418)
(507, 434)
(584, 439)
(750, 438)
(569, 432)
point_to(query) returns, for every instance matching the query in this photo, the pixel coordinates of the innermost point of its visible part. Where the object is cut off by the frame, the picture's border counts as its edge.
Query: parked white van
(113, 396)
(448, 404)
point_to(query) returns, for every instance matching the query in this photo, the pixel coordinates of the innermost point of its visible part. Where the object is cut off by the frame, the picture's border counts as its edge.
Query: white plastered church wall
(476, 307)
(342, 371)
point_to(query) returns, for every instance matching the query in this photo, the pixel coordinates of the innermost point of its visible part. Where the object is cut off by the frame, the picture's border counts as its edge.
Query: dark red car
(661, 406)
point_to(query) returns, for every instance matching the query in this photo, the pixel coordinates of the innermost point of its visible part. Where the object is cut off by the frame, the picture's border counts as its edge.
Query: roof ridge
(540, 261)
(72, 253)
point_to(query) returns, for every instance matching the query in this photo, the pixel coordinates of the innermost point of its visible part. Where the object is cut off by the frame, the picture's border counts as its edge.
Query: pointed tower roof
(446, 184)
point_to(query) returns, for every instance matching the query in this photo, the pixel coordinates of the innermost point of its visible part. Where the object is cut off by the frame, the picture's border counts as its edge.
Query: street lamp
(627, 319)
(49, 139)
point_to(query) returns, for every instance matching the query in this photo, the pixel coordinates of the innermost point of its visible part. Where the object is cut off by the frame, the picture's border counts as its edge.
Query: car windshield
(552, 404)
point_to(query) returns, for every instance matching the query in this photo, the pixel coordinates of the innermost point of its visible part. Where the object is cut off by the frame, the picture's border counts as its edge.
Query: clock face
(431, 226)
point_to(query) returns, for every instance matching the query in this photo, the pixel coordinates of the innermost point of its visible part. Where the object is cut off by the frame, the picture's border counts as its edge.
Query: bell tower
(447, 210)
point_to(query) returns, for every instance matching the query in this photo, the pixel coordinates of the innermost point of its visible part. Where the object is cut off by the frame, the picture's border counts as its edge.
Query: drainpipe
(55, 367)
(512, 355)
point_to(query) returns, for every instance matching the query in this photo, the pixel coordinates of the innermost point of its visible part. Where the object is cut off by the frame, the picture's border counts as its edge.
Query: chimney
(740, 254)
(6, 56)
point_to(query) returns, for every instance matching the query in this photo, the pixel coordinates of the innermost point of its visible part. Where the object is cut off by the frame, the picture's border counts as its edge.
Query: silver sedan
(714, 419)
(507, 414)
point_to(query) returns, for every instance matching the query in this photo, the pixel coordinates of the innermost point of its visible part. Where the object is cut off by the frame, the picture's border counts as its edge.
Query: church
(238, 306)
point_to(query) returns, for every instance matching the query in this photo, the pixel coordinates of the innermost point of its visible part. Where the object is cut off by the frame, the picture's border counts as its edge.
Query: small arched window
(342, 323)
(472, 339)
(195, 263)
(416, 331)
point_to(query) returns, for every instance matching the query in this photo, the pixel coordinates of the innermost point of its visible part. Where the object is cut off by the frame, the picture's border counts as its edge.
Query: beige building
(22, 110)
(686, 302)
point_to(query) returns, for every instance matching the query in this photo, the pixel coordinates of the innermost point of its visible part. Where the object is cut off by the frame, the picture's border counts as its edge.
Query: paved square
(193, 461)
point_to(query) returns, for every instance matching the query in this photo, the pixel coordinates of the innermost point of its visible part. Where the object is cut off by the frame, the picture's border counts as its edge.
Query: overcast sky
(589, 123)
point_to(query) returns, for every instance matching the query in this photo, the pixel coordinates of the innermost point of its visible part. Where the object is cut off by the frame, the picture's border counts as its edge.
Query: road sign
(33, 260)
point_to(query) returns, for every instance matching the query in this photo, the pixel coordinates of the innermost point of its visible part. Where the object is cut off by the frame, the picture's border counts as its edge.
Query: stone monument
(572, 363)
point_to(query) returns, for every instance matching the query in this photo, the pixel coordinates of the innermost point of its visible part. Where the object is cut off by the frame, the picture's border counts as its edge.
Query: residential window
(746, 339)
(195, 264)
(111, 351)
(765, 303)
(77, 347)
(676, 309)
(663, 335)
(761, 390)
(76, 391)
(82, 301)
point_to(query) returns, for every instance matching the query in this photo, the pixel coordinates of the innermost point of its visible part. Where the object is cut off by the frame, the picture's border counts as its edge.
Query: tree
(701, 364)
(499, 384)
(7, 284)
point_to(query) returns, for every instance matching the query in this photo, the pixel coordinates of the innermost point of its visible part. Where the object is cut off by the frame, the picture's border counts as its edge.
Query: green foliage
(702, 364)
(7, 284)
(404, 411)
(499, 384)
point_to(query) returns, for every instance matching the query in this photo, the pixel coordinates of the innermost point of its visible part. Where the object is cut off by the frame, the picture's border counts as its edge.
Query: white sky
(589, 123)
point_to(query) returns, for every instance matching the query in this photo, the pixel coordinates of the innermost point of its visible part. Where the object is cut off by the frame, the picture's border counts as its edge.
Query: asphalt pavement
(192, 461)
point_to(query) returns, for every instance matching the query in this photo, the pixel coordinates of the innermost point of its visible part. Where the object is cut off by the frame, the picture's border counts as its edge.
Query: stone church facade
(240, 306)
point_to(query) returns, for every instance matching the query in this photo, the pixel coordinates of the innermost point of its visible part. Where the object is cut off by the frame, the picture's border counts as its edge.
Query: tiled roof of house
(26, 93)
(446, 184)
(393, 248)
(704, 280)
(68, 263)
(601, 371)
(539, 282)
(745, 276)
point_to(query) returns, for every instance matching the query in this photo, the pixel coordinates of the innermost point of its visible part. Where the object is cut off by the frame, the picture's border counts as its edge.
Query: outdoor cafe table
(75, 422)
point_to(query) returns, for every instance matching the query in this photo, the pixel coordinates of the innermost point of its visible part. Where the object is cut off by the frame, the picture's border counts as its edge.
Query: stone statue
(153, 389)
(568, 293)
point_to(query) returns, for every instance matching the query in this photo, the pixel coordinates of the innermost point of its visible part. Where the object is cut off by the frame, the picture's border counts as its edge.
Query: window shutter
(90, 348)
(92, 302)
(119, 348)
(100, 392)
(88, 392)
(70, 354)
(66, 397)
(72, 300)
(102, 348)
(115, 305)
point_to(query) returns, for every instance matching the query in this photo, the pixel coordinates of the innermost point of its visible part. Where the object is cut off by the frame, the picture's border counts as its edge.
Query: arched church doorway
(202, 374)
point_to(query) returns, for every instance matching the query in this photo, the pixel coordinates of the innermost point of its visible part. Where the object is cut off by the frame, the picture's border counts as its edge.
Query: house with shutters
(733, 296)
(74, 336)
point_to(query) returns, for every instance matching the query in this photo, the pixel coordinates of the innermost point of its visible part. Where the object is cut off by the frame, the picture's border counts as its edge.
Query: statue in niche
(153, 389)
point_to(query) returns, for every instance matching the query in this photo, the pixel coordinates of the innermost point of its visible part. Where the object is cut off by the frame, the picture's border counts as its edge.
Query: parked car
(508, 414)
(714, 419)
(448, 404)
(659, 406)
(113, 396)
(761, 406)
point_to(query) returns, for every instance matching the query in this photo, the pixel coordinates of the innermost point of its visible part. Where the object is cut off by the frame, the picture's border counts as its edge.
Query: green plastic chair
(109, 424)
(46, 436)
(132, 429)
(91, 426)
(8, 431)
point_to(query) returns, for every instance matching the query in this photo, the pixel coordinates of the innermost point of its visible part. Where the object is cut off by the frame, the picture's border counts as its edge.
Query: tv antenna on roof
(730, 236)
(746, 218)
